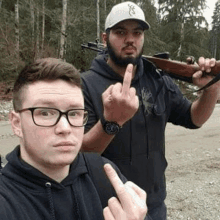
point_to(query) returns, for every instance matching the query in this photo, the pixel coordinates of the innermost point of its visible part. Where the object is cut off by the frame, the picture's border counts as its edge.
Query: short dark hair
(108, 31)
(46, 69)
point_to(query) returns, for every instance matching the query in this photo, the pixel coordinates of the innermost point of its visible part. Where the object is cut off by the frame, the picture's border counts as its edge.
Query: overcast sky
(209, 11)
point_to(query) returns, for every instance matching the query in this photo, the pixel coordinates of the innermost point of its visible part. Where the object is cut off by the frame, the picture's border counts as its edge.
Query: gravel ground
(193, 173)
(5, 108)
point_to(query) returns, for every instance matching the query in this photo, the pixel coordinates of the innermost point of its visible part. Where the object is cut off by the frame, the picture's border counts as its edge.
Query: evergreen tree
(153, 43)
(215, 38)
(182, 28)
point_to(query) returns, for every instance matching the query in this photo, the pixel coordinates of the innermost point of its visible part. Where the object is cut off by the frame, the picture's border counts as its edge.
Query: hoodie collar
(25, 174)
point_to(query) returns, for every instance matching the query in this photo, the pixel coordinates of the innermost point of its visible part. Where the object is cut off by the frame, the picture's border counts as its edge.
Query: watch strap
(110, 127)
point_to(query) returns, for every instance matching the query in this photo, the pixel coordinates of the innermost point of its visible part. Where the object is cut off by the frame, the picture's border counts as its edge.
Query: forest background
(32, 29)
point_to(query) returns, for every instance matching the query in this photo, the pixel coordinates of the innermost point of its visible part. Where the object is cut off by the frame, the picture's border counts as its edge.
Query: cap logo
(131, 9)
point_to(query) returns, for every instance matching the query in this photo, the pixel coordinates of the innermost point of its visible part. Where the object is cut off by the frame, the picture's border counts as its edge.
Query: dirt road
(193, 173)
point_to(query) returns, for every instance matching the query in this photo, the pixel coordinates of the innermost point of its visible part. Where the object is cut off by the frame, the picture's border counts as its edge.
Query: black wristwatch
(110, 127)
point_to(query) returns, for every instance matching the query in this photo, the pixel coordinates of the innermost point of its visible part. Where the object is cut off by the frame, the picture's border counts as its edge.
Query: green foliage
(9, 63)
(182, 28)
(215, 32)
(183, 31)
(153, 43)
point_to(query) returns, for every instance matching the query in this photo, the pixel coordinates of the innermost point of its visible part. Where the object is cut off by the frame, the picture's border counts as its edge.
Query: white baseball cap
(125, 11)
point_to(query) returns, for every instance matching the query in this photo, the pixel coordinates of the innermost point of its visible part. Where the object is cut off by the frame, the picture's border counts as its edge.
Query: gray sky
(209, 11)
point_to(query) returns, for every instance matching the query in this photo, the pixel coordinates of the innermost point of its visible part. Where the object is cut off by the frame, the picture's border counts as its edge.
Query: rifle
(176, 69)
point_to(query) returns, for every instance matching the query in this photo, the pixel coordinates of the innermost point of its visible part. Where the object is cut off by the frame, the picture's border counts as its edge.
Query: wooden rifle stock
(180, 70)
(176, 69)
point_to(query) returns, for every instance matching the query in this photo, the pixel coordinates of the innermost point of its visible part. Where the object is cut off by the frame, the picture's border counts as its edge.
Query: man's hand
(205, 66)
(120, 100)
(131, 202)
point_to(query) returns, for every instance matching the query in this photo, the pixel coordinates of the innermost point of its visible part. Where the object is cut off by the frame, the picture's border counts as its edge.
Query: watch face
(112, 128)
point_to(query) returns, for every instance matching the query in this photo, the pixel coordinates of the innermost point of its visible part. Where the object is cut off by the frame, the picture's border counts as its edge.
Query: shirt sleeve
(179, 106)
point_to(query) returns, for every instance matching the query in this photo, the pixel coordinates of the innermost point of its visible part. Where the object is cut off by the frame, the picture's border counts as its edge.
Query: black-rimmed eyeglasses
(48, 117)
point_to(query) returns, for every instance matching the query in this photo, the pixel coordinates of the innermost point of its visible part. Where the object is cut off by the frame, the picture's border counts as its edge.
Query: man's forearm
(96, 140)
(203, 107)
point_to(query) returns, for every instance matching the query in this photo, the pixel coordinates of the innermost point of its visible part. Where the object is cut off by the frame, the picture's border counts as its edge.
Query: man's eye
(76, 114)
(45, 113)
(138, 33)
(120, 33)
(72, 114)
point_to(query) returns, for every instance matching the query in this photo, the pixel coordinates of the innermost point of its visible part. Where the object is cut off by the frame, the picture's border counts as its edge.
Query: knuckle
(124, 101)
(112, 201)
(129, 183)
(144, 210)
(113, 204)
(121, 192)
(144, 194)
(138, 214)
(135, 216)
(106, 211)
(132, 91)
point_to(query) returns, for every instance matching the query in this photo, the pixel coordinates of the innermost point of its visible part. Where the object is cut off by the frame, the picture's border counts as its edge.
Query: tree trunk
(83, 25)
(32, 23)
(105, 14)
(215, 45)
(43, 26)
(63, 30)
(98, 20)
(17, 28)
(181, 40)
(37, 35)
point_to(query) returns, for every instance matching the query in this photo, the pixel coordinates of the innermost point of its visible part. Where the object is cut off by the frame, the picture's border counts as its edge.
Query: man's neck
(119, 69)
(57, 173)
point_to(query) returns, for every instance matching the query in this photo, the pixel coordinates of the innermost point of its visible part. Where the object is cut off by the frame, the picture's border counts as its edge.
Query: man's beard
(120, 61)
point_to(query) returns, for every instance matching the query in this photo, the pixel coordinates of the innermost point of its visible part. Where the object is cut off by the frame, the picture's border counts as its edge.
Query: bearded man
(130, 102)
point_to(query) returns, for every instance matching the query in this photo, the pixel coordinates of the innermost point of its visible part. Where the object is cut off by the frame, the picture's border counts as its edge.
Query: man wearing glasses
(46, 177)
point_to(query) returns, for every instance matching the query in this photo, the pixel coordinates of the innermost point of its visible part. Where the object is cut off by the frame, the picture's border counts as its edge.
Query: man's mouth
(129, 49)
(64, 143)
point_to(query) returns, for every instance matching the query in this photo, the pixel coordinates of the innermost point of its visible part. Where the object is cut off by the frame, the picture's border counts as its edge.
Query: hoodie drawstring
(131, 155)
(49, 193)
(75, 206)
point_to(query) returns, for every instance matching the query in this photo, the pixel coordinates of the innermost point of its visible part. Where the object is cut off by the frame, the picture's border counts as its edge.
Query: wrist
(110, 127)
(212, 90)
(111, 118)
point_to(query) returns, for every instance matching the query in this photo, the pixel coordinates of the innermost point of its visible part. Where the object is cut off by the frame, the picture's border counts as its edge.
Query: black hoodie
(28, 194)
(138, 149)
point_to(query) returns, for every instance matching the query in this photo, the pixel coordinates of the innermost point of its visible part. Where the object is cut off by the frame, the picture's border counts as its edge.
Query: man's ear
(15, 120)
(104, 39)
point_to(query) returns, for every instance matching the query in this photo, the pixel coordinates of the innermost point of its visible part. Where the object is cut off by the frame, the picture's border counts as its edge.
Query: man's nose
(63, 126)
(129, 38)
